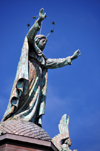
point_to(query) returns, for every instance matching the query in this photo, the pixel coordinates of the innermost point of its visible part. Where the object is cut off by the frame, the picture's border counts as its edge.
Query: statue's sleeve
(33, 31)
(57, 63)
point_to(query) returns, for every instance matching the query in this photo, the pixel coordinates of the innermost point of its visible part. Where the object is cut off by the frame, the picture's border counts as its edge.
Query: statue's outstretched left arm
(76, 54)
(58, 63)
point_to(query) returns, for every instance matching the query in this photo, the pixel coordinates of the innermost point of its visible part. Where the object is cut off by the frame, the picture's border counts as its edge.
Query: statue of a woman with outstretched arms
(28, 95)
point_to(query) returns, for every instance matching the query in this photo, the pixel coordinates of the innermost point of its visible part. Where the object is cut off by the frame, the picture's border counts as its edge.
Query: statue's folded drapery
(28, 95)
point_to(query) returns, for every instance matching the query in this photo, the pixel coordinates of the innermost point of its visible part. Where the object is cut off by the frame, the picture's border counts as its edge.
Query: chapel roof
(23, 128)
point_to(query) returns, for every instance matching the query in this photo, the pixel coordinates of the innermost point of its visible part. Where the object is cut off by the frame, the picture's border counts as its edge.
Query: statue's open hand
(42, 15)
(76, 54)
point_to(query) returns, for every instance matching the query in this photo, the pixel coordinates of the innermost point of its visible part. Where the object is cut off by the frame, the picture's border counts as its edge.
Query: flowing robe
(28, 95)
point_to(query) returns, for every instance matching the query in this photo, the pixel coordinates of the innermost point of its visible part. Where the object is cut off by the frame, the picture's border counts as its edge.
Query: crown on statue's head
(51, 31)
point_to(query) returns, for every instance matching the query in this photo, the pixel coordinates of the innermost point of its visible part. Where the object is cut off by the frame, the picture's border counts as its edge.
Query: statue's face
(42, 43)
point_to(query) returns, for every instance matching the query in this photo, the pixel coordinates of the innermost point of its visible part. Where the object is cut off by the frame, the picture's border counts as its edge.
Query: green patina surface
(28, 95)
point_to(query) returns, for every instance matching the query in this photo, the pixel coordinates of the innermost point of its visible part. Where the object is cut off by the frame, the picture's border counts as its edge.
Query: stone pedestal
(24, 136)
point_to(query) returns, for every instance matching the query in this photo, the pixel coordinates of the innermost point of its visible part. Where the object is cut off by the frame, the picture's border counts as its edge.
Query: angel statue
(28, 95)
(62, 141)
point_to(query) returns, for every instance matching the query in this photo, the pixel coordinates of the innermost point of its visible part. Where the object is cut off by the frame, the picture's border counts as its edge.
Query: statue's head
(68, 141)
(40, 41)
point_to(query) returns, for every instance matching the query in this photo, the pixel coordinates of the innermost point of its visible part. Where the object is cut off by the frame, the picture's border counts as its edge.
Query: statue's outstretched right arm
(36, 27)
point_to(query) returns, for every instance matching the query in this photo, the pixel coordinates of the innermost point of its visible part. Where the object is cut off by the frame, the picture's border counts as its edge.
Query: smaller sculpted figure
(28, 95)
(63, 136)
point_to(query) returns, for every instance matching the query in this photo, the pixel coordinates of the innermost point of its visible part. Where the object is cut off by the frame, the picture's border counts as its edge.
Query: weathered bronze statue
(28, 95)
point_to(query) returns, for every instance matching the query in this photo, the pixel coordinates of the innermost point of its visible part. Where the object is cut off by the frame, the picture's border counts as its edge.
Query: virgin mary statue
(28, 95)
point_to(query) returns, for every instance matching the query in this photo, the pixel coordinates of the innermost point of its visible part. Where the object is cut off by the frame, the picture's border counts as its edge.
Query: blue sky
(72, 90)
